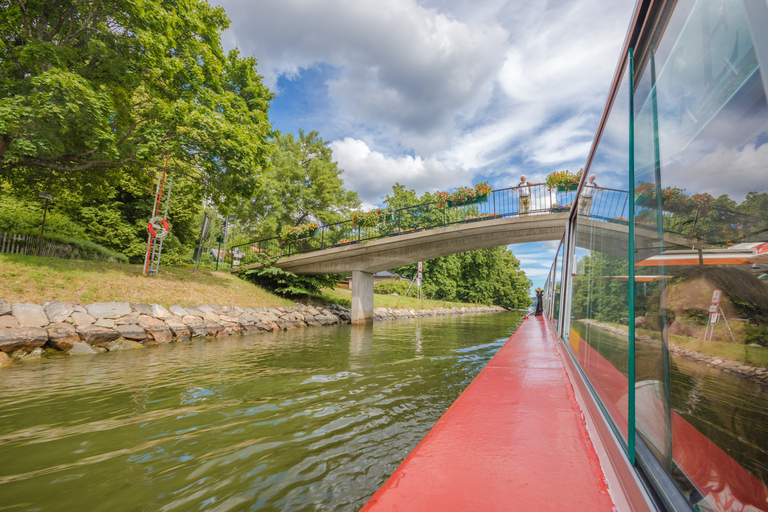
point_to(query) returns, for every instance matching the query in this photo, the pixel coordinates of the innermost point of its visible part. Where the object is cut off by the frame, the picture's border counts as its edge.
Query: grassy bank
(37, 280)
(343, 296)
(754, 356)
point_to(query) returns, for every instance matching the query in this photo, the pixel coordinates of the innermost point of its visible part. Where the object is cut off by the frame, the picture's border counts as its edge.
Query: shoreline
(756, 374)
(32, 331)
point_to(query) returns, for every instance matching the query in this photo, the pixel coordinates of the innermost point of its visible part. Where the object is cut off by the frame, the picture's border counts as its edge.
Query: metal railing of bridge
(607, 204)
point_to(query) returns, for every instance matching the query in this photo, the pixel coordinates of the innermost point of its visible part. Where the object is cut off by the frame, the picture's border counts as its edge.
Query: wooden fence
(15, 243)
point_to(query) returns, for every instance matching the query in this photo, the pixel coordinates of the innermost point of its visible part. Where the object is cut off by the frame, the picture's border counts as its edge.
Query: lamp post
(48, 198)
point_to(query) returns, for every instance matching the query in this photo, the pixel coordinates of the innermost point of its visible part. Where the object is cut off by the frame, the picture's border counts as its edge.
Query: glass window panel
(701, 191)
(599, 313)
(556, 279)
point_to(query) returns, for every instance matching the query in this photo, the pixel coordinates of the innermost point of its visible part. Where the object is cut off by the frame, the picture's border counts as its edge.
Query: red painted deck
(514, 440)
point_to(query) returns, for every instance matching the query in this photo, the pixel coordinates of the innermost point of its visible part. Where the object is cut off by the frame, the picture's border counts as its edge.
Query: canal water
(311, 419)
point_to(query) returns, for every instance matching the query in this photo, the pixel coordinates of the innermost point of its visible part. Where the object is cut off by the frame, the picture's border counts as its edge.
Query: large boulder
(160, 312)
(58, 311)
(62, 336)
(82, 319)
(22, 338)
(246, 319)
(82, 348)
(178, 328)
(131, 332)
(178, 311)
(124, 344)
(29, 315)
(190, 319)
(99, 336)
(8, 321)
(192, 310)
(142, 308)
(5, 308)
(197, 329)
(108, 309)
(326, 319)
(156, 329)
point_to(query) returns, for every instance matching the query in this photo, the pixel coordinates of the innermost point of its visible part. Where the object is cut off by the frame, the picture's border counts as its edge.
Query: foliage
(673, 199)
(482, 216)
(563, 179)
(390, 287)
(560, 207)
(20, 216)
(463, 195)
(755, 334)
(285, 283)
(596, 297)
(487, 276)
(93, 91)
(289, 233)
(304, 183)
(87, 249)
(369, 219)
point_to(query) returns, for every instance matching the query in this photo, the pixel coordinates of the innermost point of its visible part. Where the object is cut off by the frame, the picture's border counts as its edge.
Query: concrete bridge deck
(362, 260)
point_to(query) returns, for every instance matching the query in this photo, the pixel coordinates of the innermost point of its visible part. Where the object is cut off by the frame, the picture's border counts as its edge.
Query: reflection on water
(314, 419)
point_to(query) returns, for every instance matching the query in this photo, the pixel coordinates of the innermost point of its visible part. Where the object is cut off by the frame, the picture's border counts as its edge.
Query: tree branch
(93, 164)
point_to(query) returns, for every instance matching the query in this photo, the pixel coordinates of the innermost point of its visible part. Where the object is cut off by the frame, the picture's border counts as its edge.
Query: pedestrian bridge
(425, 232)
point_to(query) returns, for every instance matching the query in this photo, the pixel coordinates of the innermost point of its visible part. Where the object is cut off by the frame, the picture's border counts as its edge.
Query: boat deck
(515, 439)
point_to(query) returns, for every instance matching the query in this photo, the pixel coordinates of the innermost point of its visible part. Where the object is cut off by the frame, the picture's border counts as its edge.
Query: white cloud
(401, 64)
(372, 174)
(493, 88)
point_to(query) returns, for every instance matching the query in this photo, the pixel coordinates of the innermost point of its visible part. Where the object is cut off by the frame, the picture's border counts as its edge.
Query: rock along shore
(27, 331)
(752, 373)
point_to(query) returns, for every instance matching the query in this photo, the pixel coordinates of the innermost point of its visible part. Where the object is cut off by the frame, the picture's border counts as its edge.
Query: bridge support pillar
(362, 297)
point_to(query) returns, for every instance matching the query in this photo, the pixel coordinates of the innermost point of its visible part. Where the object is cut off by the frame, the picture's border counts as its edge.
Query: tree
(303, 184)
(92, 90)
(485, 275)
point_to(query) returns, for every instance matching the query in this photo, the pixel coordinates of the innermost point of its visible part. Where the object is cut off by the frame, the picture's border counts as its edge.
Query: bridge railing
(607, 204)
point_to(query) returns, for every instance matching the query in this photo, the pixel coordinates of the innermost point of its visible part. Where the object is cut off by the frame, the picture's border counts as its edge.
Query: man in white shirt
(587, 194)
(524, 192)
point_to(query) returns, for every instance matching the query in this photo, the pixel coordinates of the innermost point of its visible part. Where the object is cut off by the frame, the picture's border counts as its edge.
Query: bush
(755, 334)
(390, 287)
(285, 283)
(18, 216)
(87, 250)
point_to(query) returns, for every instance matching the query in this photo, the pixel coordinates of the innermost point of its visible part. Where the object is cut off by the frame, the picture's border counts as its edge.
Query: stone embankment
(29, 330)
(752, 373)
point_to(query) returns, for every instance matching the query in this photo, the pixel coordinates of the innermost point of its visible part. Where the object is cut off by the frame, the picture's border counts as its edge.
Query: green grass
(343, 297)
(37, 280)
(753, 356)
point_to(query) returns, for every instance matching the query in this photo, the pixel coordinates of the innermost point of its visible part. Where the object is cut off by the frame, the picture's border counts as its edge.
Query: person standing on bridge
(587, 194)
(524, 192)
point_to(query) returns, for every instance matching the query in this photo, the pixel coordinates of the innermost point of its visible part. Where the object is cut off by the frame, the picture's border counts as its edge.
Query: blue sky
(437, 94)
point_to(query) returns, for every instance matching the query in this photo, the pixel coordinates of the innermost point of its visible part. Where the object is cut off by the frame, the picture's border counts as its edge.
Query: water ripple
(313, 419)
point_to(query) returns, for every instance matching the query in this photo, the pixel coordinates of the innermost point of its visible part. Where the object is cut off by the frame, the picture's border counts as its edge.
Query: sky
(438, 94)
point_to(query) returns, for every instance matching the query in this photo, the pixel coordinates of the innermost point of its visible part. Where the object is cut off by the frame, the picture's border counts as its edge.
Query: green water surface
(312, 419)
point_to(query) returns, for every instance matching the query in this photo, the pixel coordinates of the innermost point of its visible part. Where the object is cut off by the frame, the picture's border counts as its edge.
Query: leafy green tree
(485, 275)
(286, 283)
(303, 184)
(90, 91)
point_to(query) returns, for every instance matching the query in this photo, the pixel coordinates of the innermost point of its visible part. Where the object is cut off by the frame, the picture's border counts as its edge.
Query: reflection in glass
(701, 190)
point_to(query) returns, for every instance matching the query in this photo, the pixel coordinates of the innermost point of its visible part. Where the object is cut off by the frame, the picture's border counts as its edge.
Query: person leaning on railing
(524, 192)
(587, 194)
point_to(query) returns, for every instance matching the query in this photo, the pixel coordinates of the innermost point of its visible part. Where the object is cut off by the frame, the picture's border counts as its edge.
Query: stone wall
(752, 373)
(29, 330)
